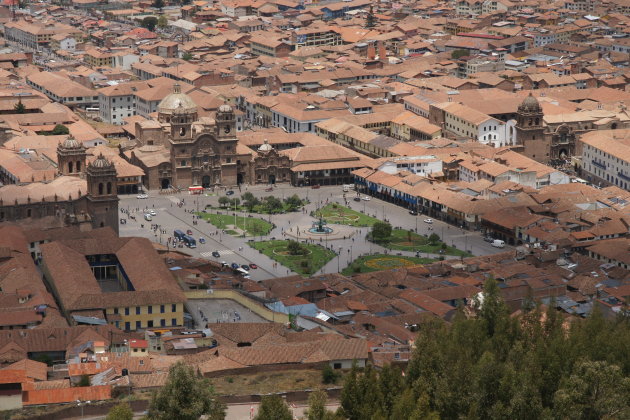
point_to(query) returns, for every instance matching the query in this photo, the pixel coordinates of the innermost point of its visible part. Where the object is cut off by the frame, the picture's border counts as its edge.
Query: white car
(152, 213)
(366, 198)
(143, 196)
(429, 221)
(148, 217)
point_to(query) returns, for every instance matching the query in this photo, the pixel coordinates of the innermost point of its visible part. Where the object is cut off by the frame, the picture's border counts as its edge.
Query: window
(116, 311)
(162, 323)
(150, 324)
(138, 325)
(174, 307)
(161, 309)
(173, 321)
(126, 311)
(137, 310)
(127, 326)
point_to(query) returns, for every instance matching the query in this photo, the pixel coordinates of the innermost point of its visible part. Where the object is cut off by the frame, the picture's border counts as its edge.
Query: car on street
(148, 217)
(357, 198)
(429, 221)
(152, 213)
(245, 267)
(189, 232)
(413, 212)
(216, 254)
(488, 238)
(366, 198)
(315, 187)
(142, 196)
(229, 192)
(253, 266)
(202, 240)
(234, 266)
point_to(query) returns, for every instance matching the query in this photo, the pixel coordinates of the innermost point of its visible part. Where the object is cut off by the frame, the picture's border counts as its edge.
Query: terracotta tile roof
(65, 395)
(32, 369)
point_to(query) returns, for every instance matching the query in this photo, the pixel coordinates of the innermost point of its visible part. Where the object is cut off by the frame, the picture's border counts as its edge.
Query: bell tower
(530, 132)
(225, 133)
(102, 193)
(70, 157)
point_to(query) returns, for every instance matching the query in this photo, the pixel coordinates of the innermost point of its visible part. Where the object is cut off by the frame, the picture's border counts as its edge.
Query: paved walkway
(236, 249)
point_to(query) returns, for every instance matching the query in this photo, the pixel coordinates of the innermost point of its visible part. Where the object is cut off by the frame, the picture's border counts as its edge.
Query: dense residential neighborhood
(314, 209)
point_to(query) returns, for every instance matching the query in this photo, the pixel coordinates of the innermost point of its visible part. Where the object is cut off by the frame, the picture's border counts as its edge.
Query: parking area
(220, 310)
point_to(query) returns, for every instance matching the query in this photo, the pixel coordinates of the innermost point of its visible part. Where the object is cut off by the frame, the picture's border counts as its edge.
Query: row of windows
(138, 309)
(148, 324)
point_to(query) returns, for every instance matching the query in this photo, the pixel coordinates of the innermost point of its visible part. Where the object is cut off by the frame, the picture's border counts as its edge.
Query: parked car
(366, 198)
(189, 232)
(488, 238)
(413, 212)
(315, 187)
(202, 240)
(148, 217)
(429, 221)
(229, 192)
(498, 243)
(253, 266)
(357, 198)
(142, 196)
(245, 267)
(234, 266)
(152, 213)
(216, 254)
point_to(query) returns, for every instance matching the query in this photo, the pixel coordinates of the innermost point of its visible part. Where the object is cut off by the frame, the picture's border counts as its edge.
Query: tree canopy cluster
(496, 366)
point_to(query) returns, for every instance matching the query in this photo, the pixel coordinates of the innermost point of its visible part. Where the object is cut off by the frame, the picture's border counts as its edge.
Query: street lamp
(82, 404)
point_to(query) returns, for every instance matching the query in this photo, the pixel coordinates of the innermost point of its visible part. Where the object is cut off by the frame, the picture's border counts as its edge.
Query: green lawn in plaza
(337, 214)
(406, 240)
(379, 262)
(253, 226)
(314, 257)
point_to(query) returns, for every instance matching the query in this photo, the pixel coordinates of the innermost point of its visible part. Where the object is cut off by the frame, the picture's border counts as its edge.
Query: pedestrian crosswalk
(222, 252)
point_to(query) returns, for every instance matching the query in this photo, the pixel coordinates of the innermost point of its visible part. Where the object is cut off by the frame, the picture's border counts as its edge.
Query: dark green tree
(234, 203)
(249, 201)
(459, 53)
(272, 204)
(121, 411)
(329, 376)
(187, 56)
(84, 381)
(295, 248)
(317, 406)
(293, 203)
(434, 239)
(390, 384)
(185, 396)
(162, 21)
(158, 4)
(273, 407)
(149, 22)
(59, 130)
(224, 201)
(381, 231)
(19, 108)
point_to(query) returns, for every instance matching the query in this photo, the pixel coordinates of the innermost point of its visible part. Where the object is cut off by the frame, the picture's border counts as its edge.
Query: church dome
(265, 147)
(530, 104)
(101, 162)
(177, 103)
(71, 143)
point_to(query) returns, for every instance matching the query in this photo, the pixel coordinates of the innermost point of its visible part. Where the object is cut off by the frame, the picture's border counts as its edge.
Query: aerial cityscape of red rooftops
(314, 209)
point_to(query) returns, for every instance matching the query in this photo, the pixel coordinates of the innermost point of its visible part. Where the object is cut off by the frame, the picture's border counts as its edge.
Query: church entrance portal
(239, 179)
(205, 181)
(165, 183)
(272, 179)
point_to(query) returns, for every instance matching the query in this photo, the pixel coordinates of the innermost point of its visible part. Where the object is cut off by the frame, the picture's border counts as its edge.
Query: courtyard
(219, 310)
(337, 214)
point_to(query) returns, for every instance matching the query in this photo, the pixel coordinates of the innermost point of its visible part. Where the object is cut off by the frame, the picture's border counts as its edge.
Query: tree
(595, 390)
(381, 231)
(84, 381)
(434, 238)
(272, 204)
(273, 407)
(224, 201)
(293, 203)
(295, 248)
(235, 202)
(19, 108)
(149, 22)
(185, 396)
(492, 309)
(59, 130)
(158, 4)
(162, 21)
(329, 376)
(249, 201)
(459, 53)
(121, 411)
(187, 56)
(316, 405)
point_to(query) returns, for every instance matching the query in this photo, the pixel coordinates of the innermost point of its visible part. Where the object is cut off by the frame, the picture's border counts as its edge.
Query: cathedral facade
(182, 150)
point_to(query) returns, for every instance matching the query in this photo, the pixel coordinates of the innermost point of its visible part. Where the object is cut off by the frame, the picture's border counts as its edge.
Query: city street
(170, 216)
